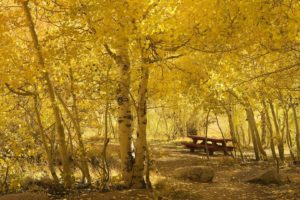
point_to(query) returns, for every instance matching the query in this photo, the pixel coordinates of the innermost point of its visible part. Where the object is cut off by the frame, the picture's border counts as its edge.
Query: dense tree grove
(136, 71)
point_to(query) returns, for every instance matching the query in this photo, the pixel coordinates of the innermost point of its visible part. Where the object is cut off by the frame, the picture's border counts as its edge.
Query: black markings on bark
(120, 100)
(130, 162)
(128, 117)
(128, 125)
(125, 67)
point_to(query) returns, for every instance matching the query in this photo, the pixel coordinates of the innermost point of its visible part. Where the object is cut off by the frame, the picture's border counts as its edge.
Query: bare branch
(289, 67)
(110, 52)
(150, 61)
(21, 91)
(151, 7)
(212, 50)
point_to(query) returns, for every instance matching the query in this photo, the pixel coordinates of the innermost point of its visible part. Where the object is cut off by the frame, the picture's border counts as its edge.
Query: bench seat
(210, 147)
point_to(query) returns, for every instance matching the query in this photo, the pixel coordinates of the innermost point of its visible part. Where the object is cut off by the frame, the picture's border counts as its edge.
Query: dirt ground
(228, 184)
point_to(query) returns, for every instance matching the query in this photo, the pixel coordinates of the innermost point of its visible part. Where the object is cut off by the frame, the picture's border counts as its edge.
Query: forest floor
(228, 184)
(230, 175)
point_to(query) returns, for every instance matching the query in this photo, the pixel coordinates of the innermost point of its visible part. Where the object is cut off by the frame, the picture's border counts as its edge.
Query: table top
(196, 137)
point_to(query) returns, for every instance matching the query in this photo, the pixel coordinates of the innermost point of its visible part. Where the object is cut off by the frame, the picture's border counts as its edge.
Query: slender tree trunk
(269, 125)
(297, 130)
(222, 133)
(69, 138)
(288, 134)
(233, 134)
(254, 139)
(141, 140)
(244, 135)
(44, 140)
(147, 170)
(263, 127)
(255, 131)
(219, 126)
(105, 167)
(237, 134)
(83, 157)
(206, 133)
(278, 136)
(67, 175)
(124, 110)
(249, 135)
(113, 134)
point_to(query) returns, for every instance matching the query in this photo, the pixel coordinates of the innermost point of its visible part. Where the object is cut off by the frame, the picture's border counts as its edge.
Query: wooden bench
(214, 145)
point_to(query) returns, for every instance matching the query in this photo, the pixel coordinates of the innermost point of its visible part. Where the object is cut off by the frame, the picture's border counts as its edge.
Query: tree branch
(150, 61)
(22, 92)
(110, 52)
(268, 74)
(146, 13)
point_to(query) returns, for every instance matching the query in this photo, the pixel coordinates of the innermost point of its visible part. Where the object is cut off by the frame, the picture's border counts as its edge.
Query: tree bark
(141, 140)
(125, 118)
(44, 140)
(254, 129)
(70, 145)
(105, 166)
(249, 135)
(76, 120)
(233, 134)
(244, 135)
(111, 126)
(263, 127)
(253, 136)
(83, 157)
(269, 125)
(278, 136)
(206, 133)
(288, 134)
(260, 147)
(67, 175)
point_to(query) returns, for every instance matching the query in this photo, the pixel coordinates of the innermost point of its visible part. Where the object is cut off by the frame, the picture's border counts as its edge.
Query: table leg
(225, 151)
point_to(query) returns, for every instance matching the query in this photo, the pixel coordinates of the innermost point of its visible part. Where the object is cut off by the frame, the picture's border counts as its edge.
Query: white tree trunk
(125, 118)
(141, 141)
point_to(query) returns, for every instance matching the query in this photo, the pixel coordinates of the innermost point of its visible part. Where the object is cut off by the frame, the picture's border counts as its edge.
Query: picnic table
(209, 144)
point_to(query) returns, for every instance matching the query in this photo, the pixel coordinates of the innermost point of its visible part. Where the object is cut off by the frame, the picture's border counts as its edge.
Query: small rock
(195, 173)
(267, 177)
